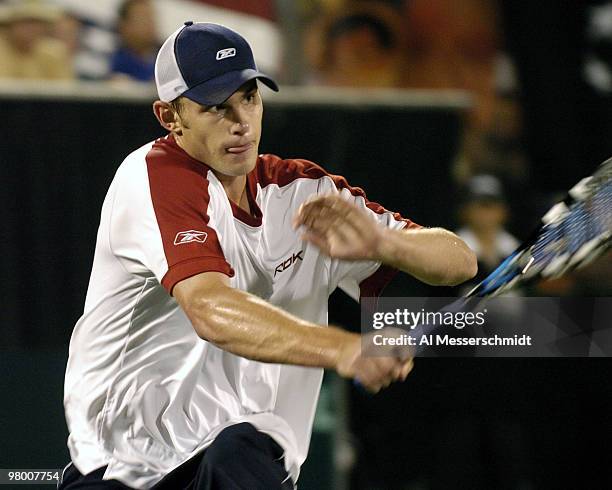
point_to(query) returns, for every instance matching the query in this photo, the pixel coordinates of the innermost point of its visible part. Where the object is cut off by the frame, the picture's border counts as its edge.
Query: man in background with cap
(198, 360)
(483, 214)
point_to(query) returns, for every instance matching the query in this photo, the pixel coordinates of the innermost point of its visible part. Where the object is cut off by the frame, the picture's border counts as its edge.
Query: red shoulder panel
(179, 192)
(274, 170)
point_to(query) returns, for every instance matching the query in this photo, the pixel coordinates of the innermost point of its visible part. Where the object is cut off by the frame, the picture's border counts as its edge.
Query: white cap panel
(170, 83)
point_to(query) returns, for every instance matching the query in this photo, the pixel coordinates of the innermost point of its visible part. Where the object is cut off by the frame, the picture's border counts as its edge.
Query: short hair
(177, 105)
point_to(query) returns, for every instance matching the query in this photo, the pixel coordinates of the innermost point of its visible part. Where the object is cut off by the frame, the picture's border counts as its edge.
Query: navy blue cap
(213, 61)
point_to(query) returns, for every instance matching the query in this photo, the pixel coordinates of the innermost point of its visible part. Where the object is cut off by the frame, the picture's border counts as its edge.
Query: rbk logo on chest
(283, 266)
(190, 236)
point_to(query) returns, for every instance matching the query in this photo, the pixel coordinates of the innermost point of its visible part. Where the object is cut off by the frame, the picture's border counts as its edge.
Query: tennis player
(198, 360)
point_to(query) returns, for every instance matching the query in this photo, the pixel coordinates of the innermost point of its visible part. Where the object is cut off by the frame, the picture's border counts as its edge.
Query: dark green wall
(58, 157)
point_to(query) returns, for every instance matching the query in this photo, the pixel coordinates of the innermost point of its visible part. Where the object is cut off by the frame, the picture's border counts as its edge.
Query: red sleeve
(179, 192)
(275, 170)
(373, 285)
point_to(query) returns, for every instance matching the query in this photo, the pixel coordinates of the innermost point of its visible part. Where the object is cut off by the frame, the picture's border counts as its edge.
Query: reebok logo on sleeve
(190, 236)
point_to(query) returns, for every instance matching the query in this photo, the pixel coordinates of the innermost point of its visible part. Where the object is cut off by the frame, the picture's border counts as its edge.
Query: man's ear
(168, 117)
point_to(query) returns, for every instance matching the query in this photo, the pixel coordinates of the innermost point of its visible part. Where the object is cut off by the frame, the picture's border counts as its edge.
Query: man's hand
(339, 228)
(373, 373)
(344, 231)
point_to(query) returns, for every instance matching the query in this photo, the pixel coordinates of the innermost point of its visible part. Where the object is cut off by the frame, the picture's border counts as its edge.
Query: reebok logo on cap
(226, 53)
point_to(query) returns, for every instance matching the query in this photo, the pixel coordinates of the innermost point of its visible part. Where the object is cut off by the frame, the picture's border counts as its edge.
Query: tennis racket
(573, 233)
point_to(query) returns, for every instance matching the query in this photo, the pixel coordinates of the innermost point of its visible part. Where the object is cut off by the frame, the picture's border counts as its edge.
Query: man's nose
(241, 122)
(240, 127)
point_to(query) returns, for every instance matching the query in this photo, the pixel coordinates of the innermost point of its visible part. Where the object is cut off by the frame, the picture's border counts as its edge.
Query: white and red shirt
(143, 393)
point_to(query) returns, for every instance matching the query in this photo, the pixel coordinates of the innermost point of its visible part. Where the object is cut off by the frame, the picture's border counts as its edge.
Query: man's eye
(219, 110)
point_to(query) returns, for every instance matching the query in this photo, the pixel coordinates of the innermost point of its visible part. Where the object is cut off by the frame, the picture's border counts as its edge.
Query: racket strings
(584, 222)
(573, 233)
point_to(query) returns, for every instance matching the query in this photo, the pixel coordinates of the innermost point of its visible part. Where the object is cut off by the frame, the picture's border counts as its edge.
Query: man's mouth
(239, 149)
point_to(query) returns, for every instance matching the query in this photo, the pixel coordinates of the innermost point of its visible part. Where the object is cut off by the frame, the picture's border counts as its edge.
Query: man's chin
(236, 167)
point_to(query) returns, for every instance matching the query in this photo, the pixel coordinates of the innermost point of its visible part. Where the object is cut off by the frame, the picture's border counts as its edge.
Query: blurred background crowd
(540, 75)
(539, 80)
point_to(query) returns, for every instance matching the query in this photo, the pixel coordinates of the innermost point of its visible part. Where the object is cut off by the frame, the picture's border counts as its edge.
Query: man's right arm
(248, 326)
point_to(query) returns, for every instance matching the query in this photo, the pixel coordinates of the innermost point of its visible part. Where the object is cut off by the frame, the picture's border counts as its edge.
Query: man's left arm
(344, 231)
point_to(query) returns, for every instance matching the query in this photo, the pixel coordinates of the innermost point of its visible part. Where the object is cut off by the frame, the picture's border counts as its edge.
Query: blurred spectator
(67, 29)
(483, 215)
(74, 32)
(360, 47)
(27, 50)
(499, 148)
(99, 36)
(138, 42)
(454, 44)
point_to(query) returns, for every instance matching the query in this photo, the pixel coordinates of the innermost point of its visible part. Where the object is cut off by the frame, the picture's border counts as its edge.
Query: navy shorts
(240, 458)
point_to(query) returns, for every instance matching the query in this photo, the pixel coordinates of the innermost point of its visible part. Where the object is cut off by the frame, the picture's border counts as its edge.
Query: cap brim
(219, 89)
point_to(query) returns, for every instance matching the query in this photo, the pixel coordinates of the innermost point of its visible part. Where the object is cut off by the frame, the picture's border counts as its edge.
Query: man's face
(485, 215)
(226, 136)
(25, 33)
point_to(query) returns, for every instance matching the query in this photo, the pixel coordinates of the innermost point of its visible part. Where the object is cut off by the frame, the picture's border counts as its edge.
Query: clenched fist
(372, 372)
